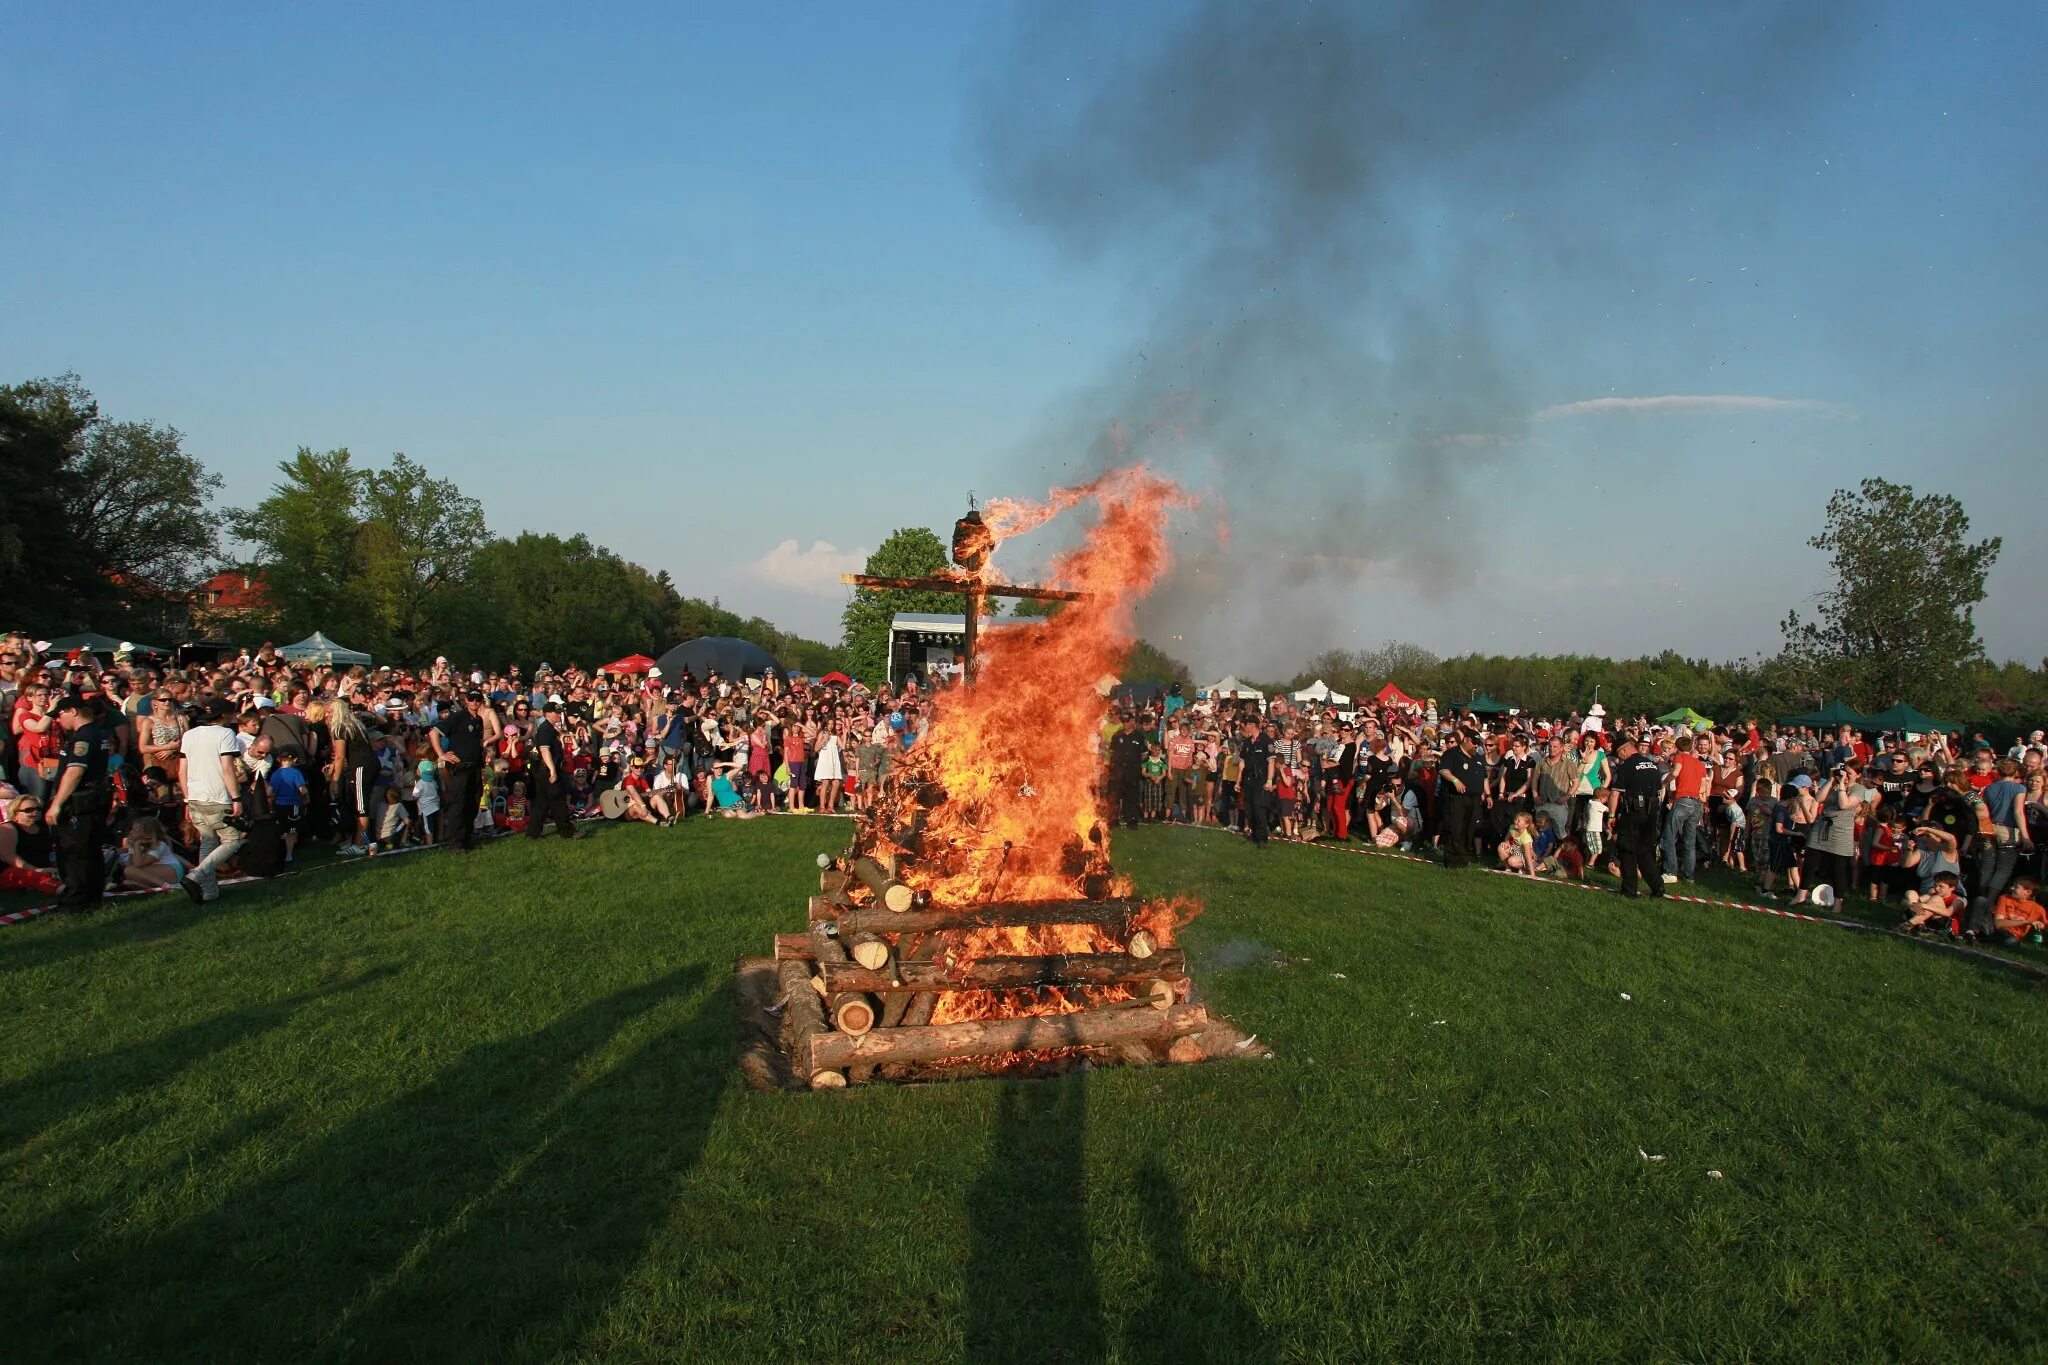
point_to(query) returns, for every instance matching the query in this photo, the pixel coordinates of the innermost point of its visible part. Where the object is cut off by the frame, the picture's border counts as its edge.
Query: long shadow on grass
(491, 1214)
(1031, 1288)
(1192, 1313)
(37, 1103)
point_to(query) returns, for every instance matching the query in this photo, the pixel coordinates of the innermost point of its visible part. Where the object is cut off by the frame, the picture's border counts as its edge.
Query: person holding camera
(213, 800)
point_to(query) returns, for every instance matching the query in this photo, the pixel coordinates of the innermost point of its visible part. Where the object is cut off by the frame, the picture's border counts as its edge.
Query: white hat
(441, 658)
(554, 699)
(1824, 895)
(654, 672)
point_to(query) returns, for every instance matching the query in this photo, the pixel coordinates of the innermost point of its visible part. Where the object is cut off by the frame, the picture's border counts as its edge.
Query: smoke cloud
(1325, 214)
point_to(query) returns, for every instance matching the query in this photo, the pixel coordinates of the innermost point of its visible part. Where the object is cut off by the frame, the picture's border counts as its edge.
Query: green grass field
(486, 1109)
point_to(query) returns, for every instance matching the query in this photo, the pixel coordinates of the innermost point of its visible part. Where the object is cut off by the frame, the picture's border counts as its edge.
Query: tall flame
(999, 799)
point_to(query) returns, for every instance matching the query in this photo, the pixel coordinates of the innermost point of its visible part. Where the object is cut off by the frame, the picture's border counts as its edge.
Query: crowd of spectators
(1944, 830)
(238, 765)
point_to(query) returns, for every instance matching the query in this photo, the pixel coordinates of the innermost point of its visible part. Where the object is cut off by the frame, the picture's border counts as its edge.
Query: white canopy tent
(1319, 691)
(1234, 690)
(318, 649)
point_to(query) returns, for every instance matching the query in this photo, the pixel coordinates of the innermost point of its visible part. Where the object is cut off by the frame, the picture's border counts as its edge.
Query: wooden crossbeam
(962, 586)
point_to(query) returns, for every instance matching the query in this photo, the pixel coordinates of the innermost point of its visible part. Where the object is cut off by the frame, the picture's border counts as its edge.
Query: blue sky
(705, 281)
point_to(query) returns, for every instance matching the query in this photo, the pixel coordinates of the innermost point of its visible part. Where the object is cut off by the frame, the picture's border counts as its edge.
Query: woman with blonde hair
(352, 775)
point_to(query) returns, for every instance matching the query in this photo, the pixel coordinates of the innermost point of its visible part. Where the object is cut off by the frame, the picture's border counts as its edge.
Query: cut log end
(828, 1080)
(898, 898)
(871, 951)
(1142, 944)
(854, 1017)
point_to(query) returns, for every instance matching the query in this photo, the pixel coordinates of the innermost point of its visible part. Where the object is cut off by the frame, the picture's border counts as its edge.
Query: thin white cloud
(1685, 402)
(814, 571)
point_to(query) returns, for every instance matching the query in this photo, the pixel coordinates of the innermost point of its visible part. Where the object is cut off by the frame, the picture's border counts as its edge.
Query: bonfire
(977, 923)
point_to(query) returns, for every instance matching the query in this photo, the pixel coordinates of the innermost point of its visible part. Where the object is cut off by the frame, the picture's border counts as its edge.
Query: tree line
(109, 525)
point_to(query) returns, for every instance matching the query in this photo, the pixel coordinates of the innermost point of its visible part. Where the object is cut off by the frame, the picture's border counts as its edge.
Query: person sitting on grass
(148, 863)
(1943, 903)
(1518, 850)
(2018, 913)
(1933, 853)
(727, 800)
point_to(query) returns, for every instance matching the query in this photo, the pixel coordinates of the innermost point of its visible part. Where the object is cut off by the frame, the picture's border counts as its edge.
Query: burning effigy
(977, 925)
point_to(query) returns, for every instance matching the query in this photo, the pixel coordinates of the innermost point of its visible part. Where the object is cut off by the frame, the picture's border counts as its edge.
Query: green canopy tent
(94, 643)
(1831, 716)
(1483, 705)
(1686, 716)
(1903, 719)
(318, 649)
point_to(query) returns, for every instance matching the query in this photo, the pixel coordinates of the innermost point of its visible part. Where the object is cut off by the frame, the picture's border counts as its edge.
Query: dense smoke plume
(1327, 213)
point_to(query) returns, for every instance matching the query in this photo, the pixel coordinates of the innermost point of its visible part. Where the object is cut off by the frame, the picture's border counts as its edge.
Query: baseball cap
(554, 699)
(1802, 779)
(654, 672)
(441, 659)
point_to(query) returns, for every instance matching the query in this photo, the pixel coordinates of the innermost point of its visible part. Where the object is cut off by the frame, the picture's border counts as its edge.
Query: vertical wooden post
(974, 598)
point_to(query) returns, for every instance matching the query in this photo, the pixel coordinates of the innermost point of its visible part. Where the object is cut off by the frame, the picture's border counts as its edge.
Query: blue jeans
(1681, 830)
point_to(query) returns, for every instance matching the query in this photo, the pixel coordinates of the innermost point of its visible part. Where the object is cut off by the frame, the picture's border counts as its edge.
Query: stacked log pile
(862, 985)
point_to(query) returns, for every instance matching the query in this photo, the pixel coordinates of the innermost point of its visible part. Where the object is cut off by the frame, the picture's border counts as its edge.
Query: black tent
(734, 659)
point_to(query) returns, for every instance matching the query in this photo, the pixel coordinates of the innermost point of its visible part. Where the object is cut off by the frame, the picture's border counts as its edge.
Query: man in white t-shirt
(213, 798)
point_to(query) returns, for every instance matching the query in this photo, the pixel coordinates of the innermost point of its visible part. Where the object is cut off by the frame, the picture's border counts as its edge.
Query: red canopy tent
(1391, 695)
(632, 663)
(836, 679)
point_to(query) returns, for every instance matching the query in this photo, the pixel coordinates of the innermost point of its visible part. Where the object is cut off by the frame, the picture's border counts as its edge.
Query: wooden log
(890, 894)
(909, 948)
(981, 1037)
(851, 1012)
(854, 1015)
(1141, 943)
(794, 948)
(1113, 917)
(833, 883)
(998, 973)
(803, 1022)
(869, 950)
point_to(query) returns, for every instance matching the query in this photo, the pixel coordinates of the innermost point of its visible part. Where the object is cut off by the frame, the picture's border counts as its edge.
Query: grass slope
(485, 1108)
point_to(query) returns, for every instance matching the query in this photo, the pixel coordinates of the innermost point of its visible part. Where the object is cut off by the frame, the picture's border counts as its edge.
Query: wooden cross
(972, 545)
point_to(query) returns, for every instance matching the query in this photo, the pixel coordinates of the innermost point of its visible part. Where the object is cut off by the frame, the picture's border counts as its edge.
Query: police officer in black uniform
(1126, 768)
(1460, 781)
(458, 743)
(1640, 783)
(1255, 780)
(78, 808)
(547, 773)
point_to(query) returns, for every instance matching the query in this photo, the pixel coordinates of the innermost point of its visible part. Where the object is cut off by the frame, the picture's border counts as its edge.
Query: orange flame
(999, 800)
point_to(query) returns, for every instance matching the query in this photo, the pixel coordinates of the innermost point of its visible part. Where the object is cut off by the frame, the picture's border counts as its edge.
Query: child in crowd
(2018, 913)
(394, 822)
(1595, 833)
(1943, 903)
(1152, 795)
(148, 862)
(1756, 819)
(1884, 870)
(288, 797)
(1518, 850)
(427, 795)
(1736, 851)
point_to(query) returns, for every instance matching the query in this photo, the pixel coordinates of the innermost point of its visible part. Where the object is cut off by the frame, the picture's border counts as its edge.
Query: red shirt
(1688, 777)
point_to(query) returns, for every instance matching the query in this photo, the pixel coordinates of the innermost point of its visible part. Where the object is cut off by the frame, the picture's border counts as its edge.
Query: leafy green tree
(1898, 621)
(303, 536)
(909, 552)
(1146, 662)
(413, 552)
(109, 517)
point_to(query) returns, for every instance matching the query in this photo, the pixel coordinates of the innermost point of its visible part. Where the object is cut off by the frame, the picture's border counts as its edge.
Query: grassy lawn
(486, 1108)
